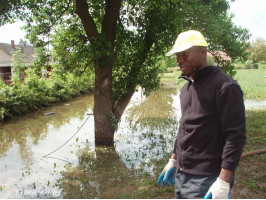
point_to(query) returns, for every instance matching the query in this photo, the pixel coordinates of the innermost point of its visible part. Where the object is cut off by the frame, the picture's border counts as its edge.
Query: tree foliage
(8, 10)
(145, 30)
(123, 40)
(18, 66)
(257, 51)
(23, 42)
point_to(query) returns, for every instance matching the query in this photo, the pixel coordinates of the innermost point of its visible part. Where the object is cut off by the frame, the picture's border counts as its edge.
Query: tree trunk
(104, 131)
(103, 105)
(104, 109)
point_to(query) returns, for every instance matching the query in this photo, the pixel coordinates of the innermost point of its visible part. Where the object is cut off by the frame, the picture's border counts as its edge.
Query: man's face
(189, 60)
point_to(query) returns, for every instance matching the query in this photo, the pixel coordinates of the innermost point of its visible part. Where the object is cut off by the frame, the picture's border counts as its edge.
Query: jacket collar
(200, 73)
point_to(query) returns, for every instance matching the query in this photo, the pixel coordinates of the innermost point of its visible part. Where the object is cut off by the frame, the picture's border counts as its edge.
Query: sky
(249, 14)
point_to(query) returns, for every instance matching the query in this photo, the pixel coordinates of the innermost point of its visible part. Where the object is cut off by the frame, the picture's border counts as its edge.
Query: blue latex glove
(168, 173)
(209, 196)
(219, 190)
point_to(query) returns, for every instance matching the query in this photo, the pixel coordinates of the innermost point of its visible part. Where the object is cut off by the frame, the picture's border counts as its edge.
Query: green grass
(252, 82)
(256, 129)
(250, 174)
(170, 77)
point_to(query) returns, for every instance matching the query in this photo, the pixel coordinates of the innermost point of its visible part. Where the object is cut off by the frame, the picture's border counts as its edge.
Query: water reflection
(35, 126)
(24, 142)
(148, 129)
(145, 135)
(98, 174)
(255, 104)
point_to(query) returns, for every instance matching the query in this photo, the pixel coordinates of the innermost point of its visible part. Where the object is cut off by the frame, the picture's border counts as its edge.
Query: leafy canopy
(144, 32)
(257, 50)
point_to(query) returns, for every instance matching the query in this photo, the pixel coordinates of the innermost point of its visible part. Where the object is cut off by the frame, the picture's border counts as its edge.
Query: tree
(257, 50)
(6, 8)
(18, 67)
(23, 43)
(122, 41)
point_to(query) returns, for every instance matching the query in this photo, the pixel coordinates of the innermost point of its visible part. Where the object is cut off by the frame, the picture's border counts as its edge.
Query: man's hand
(168, 173)
(219, 190)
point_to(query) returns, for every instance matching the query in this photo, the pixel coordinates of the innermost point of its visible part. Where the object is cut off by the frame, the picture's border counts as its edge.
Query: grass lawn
(250, 181)
(252, 82)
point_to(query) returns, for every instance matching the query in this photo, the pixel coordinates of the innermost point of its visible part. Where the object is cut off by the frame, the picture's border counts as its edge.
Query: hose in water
(46, 156)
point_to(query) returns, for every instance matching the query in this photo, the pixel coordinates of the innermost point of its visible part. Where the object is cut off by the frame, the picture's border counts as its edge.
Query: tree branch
(121, 105)
(110, 19)
(123, 102)
(86, 19)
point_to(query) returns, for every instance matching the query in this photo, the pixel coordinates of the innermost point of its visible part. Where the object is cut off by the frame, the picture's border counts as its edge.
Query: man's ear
(203, 53)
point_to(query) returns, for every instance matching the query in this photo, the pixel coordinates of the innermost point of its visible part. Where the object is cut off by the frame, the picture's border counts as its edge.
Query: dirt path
(250, 180)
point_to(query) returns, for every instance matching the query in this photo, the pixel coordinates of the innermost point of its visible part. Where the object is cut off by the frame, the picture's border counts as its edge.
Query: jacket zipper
(181, 142)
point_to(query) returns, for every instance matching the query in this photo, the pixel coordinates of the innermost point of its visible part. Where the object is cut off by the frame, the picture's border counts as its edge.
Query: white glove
(168, 173)
(219, 190)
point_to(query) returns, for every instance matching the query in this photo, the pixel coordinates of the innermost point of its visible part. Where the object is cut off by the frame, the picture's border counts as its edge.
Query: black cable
(46, 156)
(58, 159)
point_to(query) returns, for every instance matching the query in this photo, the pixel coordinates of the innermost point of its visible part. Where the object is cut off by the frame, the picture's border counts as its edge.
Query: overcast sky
(249, 14)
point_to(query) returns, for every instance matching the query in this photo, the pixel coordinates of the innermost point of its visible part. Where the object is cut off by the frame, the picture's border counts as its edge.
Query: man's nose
(179, 59)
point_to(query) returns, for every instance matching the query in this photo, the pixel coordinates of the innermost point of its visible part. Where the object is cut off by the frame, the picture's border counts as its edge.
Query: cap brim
(184, 48)
(178, 49)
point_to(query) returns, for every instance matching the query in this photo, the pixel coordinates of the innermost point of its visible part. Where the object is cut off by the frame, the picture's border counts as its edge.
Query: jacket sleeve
(174, 150)
(231, 110)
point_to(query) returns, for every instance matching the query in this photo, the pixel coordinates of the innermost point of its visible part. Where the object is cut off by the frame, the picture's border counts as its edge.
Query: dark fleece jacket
(212, 127)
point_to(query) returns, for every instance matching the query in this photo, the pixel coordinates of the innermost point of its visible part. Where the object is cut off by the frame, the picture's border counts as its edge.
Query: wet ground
(54, 156)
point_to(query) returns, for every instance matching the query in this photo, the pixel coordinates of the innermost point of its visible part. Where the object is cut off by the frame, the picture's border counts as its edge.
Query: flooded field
(54, 156)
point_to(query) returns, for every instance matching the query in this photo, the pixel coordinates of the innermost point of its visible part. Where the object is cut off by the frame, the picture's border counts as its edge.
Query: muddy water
(75, 168)
(24, 142)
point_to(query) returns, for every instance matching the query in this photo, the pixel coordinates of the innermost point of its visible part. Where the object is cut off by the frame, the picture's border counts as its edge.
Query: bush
(247, 65)
(262, 66)
(36, 92)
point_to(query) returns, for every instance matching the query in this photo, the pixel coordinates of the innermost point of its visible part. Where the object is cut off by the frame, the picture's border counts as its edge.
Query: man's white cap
(186, 40)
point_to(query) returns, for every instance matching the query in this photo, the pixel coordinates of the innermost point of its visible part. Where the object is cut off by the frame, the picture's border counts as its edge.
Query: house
(6, 51)
(220, 54)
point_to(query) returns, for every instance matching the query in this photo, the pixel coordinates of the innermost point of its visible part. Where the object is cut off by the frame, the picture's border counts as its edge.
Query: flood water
(78, 169)
(54, 156)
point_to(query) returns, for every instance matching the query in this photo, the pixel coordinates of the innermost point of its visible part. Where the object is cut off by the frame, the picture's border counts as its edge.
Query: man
(211, 132)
